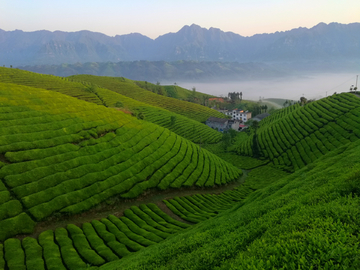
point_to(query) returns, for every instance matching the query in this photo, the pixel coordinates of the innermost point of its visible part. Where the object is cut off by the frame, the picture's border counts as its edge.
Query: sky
(153, 18)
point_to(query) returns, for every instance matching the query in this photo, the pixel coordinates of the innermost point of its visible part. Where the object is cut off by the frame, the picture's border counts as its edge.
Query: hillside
(296, 136)
(84, 184)
(181, 125)
(61, 155)
(128, 88)
(308, 220)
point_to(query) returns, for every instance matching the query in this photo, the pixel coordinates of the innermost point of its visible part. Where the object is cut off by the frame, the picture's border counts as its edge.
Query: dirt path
(118, 205)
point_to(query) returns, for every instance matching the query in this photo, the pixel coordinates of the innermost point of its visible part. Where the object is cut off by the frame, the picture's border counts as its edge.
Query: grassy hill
(298, 135)
(128, 88)
(63, 155)
(174, 91)
(181, 125)
(308, 220)
(305, 220)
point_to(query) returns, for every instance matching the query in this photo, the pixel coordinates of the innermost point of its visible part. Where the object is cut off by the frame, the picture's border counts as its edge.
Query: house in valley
(241, 115)
(220, 124)
(260, 117)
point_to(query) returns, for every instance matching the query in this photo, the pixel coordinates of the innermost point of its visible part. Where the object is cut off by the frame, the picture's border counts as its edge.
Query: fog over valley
(314, 86)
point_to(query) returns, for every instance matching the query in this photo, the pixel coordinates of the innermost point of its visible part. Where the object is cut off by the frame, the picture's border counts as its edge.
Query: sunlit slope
(49, 82)
(295, 137)
(61, 154)
(181, 125)
(308, 220)
(130, 89)
(174, 91)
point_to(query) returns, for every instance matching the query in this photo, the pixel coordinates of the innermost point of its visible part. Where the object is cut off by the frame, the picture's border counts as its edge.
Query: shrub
(14, 254)
(34, 254)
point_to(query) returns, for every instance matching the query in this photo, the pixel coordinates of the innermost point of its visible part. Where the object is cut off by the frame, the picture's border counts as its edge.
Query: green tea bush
(120, 236)
(71, 258)
(148, 234)
(151, 222)
(177, 209)
(130, 234)
(110, 239)
(82, 246)
(97, 243)
(20, 224)
(51, 252)
(154, 208)
(33, 254)
(2, 259)
(14, 254)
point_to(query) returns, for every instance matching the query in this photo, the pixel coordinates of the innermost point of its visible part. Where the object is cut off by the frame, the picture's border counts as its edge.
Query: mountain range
(324, 42)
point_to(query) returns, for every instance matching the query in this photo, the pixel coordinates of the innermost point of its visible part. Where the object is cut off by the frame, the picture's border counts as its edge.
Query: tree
(235, 96)
(303, 101)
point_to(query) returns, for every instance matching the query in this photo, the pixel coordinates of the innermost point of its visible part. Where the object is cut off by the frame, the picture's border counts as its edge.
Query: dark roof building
(219, 124)
(260, 117)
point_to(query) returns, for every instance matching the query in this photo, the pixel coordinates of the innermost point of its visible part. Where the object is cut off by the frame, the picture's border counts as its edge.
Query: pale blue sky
(157, 17)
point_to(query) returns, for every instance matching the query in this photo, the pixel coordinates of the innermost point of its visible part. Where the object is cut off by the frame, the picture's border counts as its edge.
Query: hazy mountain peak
(191, 42)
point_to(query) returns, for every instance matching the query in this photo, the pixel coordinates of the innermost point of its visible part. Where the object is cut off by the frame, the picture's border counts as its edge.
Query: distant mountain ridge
(332, 41)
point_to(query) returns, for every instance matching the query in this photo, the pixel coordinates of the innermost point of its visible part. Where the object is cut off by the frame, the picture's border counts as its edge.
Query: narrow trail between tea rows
(116, 206)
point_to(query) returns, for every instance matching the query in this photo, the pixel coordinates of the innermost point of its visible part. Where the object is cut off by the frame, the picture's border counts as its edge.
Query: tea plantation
(66, 147)
(307, 220)
(298, 135)
(63, 155)
(186, 127)
(128, 88)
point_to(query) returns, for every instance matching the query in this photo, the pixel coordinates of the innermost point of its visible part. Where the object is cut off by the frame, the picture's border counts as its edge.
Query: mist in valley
(312, 86)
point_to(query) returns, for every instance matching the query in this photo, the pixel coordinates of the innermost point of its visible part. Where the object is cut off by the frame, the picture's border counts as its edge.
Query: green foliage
(2, 259)
(51, 251)
(110, 239)
(14, 254)
(306, 220)
(82, 246)
(68, 156)
(297, 135)
(97, 243)
(53, 83)
(33, 254)
(69, 255)
(130, 89)
(20, 224)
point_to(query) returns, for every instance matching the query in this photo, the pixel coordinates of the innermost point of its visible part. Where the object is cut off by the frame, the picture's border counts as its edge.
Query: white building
(239, 115)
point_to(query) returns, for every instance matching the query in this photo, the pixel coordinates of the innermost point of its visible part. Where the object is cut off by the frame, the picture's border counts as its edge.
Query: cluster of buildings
(237, 120)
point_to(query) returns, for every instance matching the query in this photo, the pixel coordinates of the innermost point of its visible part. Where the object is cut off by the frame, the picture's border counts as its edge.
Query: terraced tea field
(112, 238)
(64, 155)
(130, 89)
(181, 125)
(297, 136)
